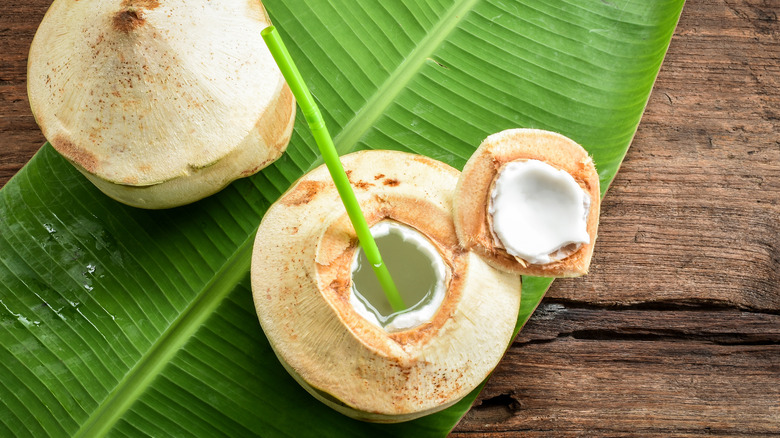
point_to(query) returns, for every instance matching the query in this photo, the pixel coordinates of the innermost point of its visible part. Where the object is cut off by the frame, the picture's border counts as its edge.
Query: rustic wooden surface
(677, 329)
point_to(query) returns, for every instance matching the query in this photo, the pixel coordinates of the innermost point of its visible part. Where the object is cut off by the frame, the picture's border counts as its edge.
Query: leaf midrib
(154, 360)
(236, 267)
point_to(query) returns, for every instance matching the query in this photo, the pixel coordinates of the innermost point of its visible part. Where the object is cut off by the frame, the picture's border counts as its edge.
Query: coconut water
(419, 273)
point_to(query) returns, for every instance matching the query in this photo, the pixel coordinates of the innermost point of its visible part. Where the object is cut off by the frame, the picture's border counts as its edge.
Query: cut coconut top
(528, 201)
(139, 92)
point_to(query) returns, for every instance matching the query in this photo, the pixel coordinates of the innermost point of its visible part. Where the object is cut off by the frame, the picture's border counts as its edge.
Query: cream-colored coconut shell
(301, 281)
(159, 103)
(472, 220)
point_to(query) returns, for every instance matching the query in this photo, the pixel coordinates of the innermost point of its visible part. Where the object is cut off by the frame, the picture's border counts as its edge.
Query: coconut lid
(138, 92)
(475, 194)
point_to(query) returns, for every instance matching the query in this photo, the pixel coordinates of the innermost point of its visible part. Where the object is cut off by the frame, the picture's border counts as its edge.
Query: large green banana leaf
(124, 322)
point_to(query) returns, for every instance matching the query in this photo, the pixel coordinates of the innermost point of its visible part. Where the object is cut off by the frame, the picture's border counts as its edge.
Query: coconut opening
(539, 213)
(418, 271)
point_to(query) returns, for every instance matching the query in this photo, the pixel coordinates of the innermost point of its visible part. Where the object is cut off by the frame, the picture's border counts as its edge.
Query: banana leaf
(124, 322)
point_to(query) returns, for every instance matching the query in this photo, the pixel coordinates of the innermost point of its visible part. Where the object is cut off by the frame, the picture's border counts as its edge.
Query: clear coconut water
(418, 271)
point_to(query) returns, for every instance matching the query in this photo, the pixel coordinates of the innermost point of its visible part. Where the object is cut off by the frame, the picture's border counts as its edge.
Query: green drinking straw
(317, 125)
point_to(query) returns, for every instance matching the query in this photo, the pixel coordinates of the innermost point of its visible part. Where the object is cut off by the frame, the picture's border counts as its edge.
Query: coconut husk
(301, 281)
(159, 103)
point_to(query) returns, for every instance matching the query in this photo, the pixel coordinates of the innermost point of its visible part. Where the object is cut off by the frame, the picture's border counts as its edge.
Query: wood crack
(733, 339)
(727, 327)
(688, 305)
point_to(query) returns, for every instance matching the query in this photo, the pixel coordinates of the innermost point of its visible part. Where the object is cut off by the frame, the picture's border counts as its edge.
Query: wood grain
(696, 200)
(677, 329)
(591, 371)
(20, 137)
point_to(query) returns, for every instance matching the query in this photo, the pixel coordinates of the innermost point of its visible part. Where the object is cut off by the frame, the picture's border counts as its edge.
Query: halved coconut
(158, 103)
(528, 201)
(301, 282)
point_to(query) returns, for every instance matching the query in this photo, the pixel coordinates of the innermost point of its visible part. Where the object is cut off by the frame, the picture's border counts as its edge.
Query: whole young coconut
(420, 362)
(159, 103)
(528, 201)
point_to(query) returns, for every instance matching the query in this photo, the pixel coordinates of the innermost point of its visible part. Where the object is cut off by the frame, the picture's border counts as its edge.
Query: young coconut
(528, 201)
(358, 362)
(159, 104)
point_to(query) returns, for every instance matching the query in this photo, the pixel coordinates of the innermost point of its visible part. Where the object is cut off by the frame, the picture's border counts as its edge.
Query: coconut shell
(473, 197)
(301, 281)
(159, 103)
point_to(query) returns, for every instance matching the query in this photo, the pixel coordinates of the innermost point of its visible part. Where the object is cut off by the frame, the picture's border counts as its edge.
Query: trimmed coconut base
(264, 145)
(159, 104)
(301, 282)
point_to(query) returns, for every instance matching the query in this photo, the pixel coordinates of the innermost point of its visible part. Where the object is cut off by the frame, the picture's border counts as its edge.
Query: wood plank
(603, 372)
(691, 222)
(694, 214)
(20, 137)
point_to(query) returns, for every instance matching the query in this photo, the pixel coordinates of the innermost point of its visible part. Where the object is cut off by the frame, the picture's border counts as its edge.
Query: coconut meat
(539, 213)
(423, 309)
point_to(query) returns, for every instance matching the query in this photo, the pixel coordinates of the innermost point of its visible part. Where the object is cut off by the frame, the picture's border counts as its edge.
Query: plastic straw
(325, 143)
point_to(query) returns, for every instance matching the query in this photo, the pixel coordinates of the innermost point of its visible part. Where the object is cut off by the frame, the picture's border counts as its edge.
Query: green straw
(331, 157)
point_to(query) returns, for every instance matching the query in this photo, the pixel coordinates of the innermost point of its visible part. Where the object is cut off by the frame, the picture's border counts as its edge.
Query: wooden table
(677, 329)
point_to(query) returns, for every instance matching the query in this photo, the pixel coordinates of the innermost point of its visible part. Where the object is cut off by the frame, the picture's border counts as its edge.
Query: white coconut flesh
(539, 213)
(418, 271)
